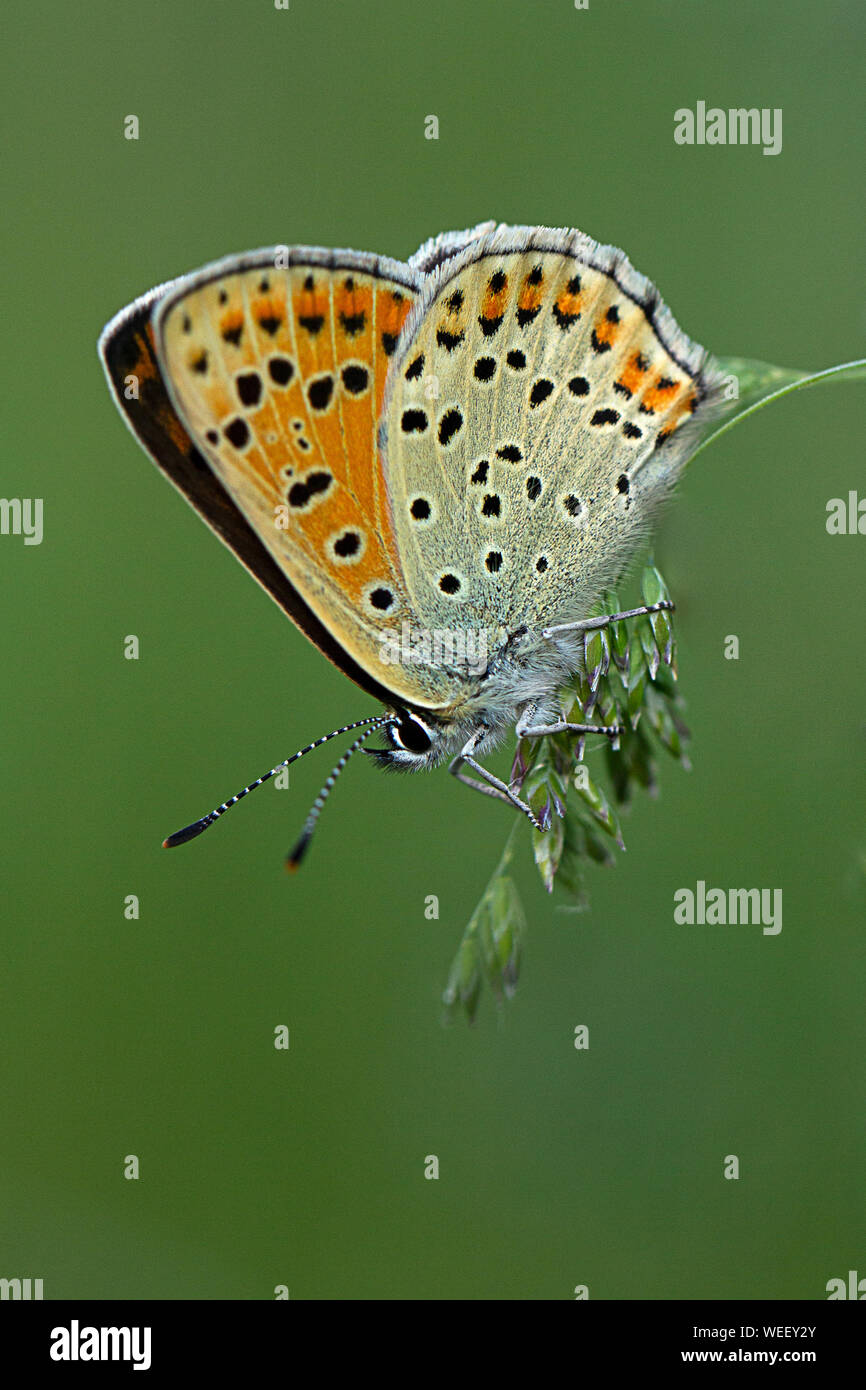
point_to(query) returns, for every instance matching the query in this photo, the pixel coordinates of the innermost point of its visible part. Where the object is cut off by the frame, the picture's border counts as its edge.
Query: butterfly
(435, 468)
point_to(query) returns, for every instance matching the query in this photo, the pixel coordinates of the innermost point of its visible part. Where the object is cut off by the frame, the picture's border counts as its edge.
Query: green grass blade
(760, 383)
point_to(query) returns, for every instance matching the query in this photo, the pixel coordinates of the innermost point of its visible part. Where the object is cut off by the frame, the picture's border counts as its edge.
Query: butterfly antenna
(303, 844)
(189, 832)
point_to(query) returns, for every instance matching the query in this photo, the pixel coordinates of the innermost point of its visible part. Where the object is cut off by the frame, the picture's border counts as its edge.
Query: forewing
(277, 371)
(134, 377)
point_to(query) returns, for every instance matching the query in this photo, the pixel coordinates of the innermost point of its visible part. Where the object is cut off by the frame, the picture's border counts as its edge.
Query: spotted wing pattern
(477, 438)
(278, 373)
(539, 408)
(128, 354)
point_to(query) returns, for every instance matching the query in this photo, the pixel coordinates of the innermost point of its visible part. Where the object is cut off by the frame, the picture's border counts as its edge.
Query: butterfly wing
(256, 385)
(128, 355)
(540, 407)
(277, 372)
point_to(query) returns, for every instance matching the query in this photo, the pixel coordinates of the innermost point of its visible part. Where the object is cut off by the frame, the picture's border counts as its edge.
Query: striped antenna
(189, 832)
(293, 860)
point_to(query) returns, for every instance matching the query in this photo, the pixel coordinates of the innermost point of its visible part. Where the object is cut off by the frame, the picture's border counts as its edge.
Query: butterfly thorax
(525, 669)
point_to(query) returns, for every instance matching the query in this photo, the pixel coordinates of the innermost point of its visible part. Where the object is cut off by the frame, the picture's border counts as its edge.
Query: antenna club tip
(293, 860)
(189, 832)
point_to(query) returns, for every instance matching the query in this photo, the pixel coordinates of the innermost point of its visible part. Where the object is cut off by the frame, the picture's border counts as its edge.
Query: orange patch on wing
(363, 331)
(356, 395)
(337, 512)
(326, 435)
(660, 395)
(311, 308)
(353, 309)
(230, 323)
(493, 306)
(530, 297)
(568, 303)
(392, 306)
(309, 305)
(390, 309)
(606, 331)
(269, 311)
(633, 373)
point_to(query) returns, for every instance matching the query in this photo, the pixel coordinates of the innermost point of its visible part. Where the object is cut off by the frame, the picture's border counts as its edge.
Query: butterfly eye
(411, 734)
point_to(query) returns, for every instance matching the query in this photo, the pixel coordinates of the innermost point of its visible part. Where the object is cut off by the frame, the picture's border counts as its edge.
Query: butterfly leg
(562, 726)
(454, 769)
(590, 624)
(525, 728)
(494, 786)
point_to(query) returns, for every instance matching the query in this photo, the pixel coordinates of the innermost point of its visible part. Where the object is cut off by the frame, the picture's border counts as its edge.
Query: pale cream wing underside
(540, 406)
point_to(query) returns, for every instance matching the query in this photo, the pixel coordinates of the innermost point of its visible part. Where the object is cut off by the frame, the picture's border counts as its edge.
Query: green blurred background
(155, 1037)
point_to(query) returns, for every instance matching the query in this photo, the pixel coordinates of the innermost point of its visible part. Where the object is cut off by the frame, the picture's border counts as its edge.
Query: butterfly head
(419, 742)
(415, 742)
(523, 668)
